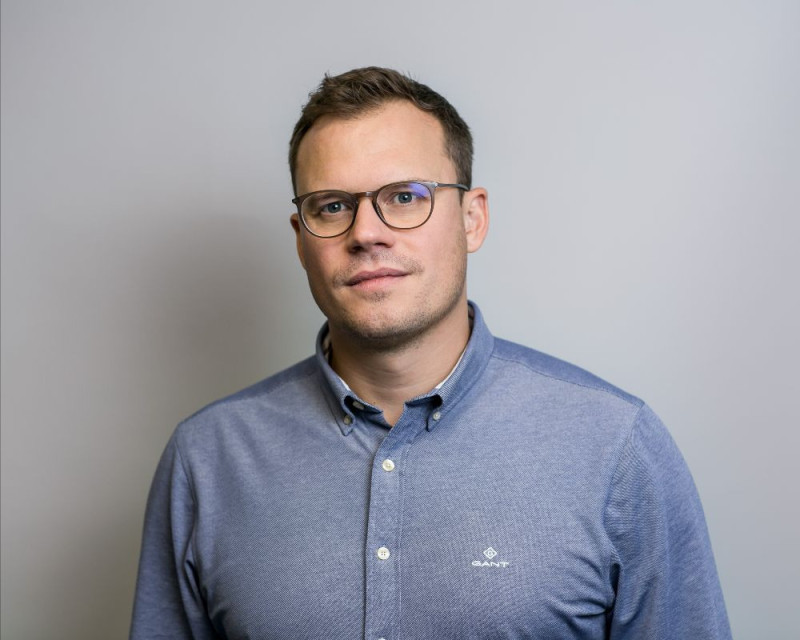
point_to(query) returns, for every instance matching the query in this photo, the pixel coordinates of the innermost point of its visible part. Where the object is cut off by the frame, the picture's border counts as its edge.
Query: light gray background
(643, 162)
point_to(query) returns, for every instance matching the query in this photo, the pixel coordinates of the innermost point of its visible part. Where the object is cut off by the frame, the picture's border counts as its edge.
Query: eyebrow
(379, 186)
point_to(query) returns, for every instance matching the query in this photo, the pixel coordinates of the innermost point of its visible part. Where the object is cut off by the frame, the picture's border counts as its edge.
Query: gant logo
(490, 554)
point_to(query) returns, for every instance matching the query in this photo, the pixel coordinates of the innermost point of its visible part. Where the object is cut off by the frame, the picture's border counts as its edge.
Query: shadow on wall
(186, 308)
(224, 303)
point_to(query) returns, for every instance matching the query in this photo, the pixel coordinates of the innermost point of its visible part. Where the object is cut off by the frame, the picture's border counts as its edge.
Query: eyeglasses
(400, 205)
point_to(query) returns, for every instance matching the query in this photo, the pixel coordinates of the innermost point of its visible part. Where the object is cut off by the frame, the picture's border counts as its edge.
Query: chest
(409, 537)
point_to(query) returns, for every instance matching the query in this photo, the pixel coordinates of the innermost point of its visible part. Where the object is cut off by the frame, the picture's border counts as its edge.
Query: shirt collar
(447, 393)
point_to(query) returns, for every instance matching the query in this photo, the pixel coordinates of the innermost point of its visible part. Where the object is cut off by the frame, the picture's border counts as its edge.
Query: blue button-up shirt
(522, 498)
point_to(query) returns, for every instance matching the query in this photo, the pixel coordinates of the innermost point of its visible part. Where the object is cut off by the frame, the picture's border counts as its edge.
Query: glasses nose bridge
(372, 196)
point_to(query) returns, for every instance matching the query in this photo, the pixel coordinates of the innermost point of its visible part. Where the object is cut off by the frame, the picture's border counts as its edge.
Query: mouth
(376, 277)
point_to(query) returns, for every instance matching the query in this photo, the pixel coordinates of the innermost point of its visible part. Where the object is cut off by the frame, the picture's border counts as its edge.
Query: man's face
(386, 287)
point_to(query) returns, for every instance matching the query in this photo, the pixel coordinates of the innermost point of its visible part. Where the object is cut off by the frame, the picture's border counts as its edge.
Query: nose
(368, 229)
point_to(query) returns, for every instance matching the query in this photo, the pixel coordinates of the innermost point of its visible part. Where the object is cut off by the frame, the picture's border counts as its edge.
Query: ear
(475, 208)
(294, 219)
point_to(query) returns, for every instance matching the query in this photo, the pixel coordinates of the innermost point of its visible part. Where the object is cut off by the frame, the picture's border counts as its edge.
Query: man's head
(354, 93)
(380, 286)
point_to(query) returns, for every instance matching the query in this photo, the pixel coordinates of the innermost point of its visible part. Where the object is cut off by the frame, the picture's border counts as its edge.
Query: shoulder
(581, 403)
(261, 404)
(521, 362)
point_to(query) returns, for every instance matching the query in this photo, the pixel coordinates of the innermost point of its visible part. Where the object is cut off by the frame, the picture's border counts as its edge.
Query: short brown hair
(353, 93)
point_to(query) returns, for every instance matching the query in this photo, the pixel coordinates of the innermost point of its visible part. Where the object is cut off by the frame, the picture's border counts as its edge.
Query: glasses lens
(405, 204)
(328, 213)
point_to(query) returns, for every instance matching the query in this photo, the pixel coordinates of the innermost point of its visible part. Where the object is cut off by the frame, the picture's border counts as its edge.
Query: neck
(387, 378)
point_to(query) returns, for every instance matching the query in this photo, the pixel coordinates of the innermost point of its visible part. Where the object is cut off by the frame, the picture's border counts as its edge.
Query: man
(417, 478)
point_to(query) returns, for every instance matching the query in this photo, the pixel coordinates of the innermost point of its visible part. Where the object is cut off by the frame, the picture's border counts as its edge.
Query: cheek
(314, 262)
(310, 263)
(453, 246)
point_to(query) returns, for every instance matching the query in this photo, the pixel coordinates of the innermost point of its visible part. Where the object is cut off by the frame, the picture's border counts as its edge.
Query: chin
(389, 320)
(393, 327)
(384, 332)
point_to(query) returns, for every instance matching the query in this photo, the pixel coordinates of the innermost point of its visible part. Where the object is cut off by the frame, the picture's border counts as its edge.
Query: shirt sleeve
(168, 602)
(665, 578)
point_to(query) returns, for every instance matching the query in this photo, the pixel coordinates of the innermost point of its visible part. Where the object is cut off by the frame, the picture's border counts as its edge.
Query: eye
(404, 197)
(405, 194)
(326, 205)
(333, 207)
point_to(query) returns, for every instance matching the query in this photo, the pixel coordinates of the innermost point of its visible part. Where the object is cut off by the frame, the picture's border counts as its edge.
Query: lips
(366, 276)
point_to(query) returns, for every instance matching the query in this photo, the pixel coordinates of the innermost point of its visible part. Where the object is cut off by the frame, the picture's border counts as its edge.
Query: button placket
(382, 542)
(383, 551)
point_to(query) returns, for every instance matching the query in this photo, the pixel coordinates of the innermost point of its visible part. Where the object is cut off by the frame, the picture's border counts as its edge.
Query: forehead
(394, 142)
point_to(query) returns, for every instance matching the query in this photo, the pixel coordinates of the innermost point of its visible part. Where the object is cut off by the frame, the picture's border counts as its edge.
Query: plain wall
(643, 165)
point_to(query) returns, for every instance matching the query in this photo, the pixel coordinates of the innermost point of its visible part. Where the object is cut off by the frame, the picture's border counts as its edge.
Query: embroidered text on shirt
(490, 554)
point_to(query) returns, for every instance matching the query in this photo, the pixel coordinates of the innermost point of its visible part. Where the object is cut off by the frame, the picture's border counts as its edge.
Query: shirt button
(383, 553)
(348, 420)
(388, 465)
(358, 405)
(436, 415)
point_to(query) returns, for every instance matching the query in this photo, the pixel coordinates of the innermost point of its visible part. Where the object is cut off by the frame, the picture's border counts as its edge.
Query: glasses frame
(355, 198)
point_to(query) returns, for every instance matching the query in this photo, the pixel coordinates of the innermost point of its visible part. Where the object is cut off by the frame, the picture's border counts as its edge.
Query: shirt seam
(192, 539)
(401, 481)
(622, 396)
(245, 395)
(628, 444)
